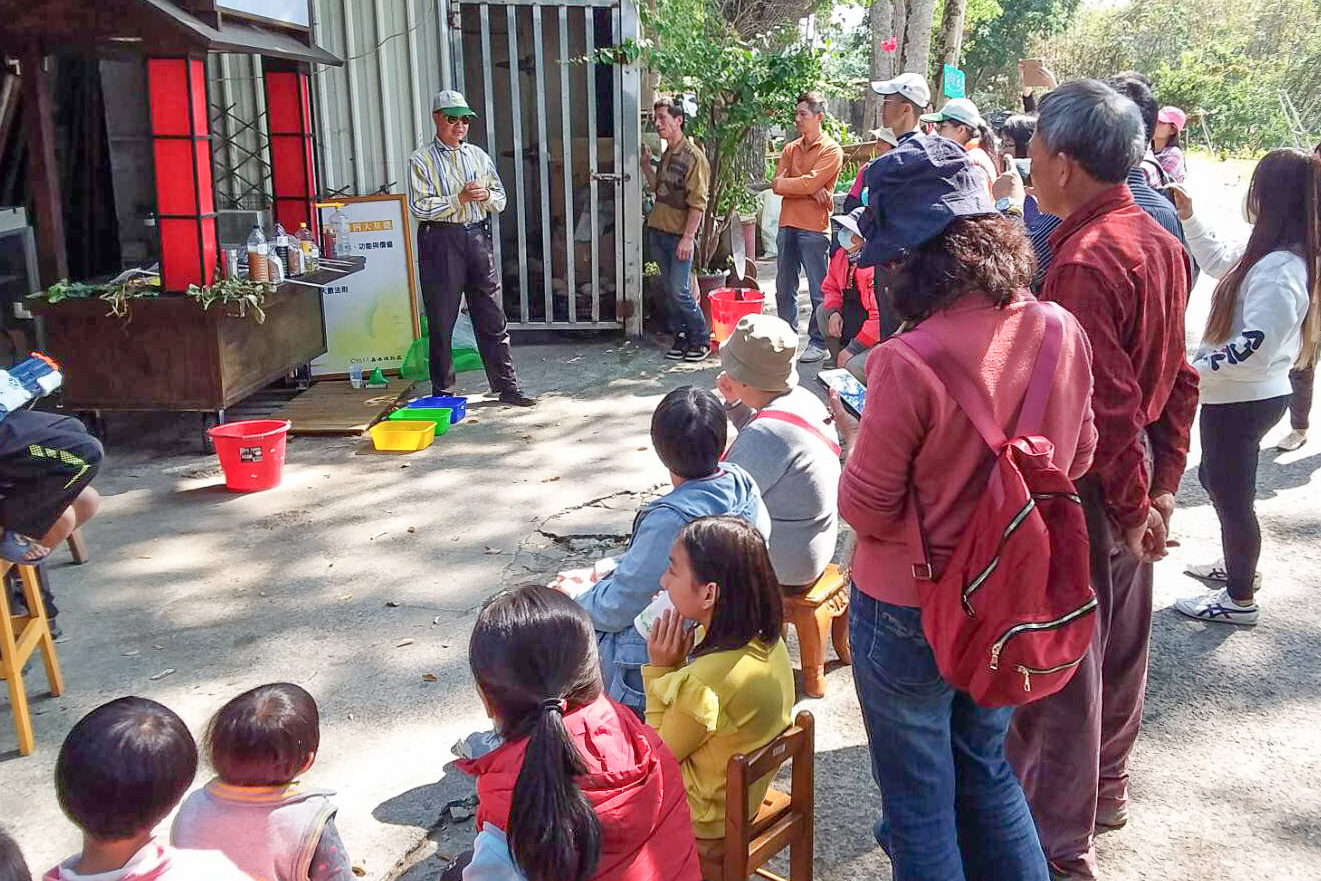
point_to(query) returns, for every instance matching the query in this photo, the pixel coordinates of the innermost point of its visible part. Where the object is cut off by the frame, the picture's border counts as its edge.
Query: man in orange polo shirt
(806, 179)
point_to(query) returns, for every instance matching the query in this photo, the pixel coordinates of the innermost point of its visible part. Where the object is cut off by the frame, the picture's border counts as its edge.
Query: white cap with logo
(957, 110)
(910, 86)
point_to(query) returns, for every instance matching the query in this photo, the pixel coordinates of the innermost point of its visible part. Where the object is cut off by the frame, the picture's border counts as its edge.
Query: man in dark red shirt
(1126, 280)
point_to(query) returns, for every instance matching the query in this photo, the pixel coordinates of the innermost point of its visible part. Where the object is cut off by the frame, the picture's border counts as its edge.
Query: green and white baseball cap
(959, 110)
(451, 103)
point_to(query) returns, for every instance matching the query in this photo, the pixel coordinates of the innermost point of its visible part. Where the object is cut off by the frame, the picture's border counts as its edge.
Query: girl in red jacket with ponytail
(580, 789)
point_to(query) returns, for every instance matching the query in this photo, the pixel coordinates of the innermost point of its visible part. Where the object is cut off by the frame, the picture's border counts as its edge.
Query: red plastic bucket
(251, 452)
(728, 305)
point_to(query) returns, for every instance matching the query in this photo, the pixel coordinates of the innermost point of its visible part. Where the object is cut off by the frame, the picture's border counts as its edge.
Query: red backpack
(1012, 615)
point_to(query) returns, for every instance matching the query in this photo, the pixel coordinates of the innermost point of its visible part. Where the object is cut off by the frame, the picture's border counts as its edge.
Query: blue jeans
(685, 315)
(952, 809)
(795, 248)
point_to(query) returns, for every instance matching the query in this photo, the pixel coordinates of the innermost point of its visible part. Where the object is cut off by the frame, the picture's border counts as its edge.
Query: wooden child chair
(783, 820)
(20, 636)
(823, 608)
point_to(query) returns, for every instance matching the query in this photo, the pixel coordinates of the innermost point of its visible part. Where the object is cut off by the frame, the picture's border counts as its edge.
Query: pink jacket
(915, 431)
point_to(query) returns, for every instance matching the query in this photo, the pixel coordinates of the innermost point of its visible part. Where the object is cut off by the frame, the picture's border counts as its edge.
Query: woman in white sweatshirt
(1265, 319)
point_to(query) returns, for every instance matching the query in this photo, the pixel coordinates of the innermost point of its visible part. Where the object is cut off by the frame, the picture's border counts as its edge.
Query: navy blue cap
(918, 189)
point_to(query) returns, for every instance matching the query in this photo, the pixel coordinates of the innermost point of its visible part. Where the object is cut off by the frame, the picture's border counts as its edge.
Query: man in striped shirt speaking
(453, 188)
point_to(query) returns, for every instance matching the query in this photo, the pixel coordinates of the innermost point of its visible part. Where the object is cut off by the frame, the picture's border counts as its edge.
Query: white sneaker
(1292, 441)
(1217, 607)
(1210, 571)
(812, 354)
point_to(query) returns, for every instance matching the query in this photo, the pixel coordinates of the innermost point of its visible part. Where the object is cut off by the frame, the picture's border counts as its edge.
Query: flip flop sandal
(14, 548)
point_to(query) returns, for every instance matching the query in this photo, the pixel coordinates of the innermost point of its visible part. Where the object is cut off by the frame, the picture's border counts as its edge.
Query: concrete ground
(359, 578)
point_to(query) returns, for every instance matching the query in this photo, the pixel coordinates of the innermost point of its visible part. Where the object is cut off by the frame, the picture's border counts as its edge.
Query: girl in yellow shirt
(734, 692)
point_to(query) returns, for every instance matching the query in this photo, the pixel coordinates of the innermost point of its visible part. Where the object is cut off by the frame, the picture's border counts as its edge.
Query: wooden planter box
(169, 354)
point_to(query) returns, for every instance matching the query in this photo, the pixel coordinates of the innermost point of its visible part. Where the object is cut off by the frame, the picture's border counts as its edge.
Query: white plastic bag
(464, 336)
(770, 222)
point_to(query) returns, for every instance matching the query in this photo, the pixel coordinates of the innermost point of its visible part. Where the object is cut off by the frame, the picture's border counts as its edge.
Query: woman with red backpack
(978, 355)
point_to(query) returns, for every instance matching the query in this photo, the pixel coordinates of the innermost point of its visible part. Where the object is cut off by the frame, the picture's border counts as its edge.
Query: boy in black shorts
(47, 463)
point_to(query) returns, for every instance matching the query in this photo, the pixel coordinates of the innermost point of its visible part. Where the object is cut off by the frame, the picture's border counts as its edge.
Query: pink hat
(1174, 116)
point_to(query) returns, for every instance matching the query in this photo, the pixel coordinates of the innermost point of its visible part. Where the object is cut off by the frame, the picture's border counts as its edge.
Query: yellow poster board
(372, 315)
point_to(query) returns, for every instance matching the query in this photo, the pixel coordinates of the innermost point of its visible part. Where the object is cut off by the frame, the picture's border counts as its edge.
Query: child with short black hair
(122, 769)
(255, 811)
(12, 865)
(688, 430)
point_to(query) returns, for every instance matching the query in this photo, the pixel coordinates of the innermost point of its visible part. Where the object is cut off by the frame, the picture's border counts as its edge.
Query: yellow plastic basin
(403, 437)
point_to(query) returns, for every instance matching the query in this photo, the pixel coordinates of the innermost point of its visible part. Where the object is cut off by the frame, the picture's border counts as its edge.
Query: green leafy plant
(116, 295)
(246, 295)
(67, 290)
(740, 84)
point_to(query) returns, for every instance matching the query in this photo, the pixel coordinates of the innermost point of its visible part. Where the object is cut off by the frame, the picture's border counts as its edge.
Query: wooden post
(43, 174)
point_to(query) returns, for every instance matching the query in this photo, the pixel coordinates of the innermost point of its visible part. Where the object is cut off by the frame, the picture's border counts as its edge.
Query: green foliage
(247, 295)
(1226, 61)
(995, 42)
(848, 174)
(115, 295)
(740, 85)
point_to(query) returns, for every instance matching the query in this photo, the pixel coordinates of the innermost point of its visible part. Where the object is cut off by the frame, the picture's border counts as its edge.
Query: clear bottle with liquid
(282, 244)
(258, 253)
(339, 227)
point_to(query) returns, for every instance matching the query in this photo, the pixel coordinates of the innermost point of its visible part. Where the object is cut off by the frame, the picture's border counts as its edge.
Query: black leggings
(1300, 403)
(1231, 440)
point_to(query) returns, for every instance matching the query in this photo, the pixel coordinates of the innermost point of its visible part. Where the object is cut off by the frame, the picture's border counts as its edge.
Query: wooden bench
(20, 636)
(822, 609)
(783, 819)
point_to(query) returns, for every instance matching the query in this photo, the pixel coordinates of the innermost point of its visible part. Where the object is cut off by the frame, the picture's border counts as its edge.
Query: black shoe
(680, 348)
(55, 630)
(697, 353)
(517, 399)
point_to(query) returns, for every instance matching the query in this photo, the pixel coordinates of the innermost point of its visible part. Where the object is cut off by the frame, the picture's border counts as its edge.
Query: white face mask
(845, 238)
(1247, 211)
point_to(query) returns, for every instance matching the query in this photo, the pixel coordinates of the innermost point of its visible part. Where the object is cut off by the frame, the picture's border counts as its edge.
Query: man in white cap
(960, 121)
(453, 188)
(904, 99)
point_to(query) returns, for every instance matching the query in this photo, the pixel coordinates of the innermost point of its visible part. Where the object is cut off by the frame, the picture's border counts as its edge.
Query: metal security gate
(565, 137)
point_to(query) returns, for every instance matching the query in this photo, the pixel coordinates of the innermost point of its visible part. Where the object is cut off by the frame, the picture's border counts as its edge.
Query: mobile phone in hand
(852, 394)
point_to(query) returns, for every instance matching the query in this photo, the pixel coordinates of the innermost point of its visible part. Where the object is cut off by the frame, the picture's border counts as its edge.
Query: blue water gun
(35, 377)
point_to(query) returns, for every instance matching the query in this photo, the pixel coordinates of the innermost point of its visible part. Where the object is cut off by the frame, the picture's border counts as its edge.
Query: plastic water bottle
(281, 244)
(258, 251)
(355, 375)
(339, 226)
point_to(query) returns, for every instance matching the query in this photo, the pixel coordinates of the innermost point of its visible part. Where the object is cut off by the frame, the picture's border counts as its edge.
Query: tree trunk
(881, 15)
(917, 36)
(951, 42)
(900, 35)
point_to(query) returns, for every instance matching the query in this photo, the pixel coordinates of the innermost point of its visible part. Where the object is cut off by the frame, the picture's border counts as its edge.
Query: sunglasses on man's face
(456, 120)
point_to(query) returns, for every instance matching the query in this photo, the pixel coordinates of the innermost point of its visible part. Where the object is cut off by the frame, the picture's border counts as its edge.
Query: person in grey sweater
(786, 442)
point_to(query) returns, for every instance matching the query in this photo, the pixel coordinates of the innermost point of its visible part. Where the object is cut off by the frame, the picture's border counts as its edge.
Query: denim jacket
(614, 601)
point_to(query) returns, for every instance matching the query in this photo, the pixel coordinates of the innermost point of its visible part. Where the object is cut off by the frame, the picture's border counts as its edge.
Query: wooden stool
(782, 820)
(20, 636)
(824, 607)
(78, 547)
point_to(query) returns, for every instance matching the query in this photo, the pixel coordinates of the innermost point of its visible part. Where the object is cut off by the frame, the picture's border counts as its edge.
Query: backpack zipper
(971, 587)
(1028, 671)
(1009, 634)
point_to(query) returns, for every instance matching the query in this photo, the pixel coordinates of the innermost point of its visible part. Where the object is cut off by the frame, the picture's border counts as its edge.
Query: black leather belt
(441, 224)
